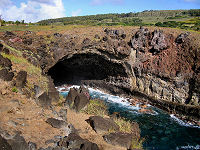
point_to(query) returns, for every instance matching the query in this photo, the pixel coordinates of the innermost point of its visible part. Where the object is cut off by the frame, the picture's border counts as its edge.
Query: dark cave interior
(82, 67)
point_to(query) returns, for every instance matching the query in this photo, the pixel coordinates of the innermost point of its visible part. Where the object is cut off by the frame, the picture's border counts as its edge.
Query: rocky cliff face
(154, 64)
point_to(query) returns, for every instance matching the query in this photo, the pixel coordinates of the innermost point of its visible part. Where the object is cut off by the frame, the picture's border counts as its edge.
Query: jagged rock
(9, 34)
(86, 41)
(18, 143)
(4, 144)
(37, 91)
(105, 38)
(70, 129)
(115, 34)
(102, 125)
(73, 141)
(71, 96)
(63, 114)
(5, 75)
(28, 32)
(5, 63)
(123, 51)
(77, 98)
(1, 47)
(52, 92)
(32, 146)
(56, 123)
(140, 40)
(44, 100)
(84, 90)
(119, 139)
(80, 102)
(21, 79)
(28, 41)
(182, 37)
(145, 41)
(158, 42)
(6, 50)
(97, 36)
(57, 35)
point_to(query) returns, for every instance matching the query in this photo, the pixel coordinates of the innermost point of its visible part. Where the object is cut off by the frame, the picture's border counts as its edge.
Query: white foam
(123, 102)
(197, 147)
(181, 122)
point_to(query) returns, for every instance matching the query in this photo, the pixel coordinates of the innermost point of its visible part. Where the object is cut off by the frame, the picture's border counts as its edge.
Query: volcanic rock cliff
(162, 67)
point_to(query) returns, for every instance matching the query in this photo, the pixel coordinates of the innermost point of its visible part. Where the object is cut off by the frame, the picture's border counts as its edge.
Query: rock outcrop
(102, 125)
(77, 99)
(158, 65)
(73, 141)
(56, 123)
(119, 139)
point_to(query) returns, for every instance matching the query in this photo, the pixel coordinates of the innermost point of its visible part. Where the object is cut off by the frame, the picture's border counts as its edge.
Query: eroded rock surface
(73, 141)
(119, 139)
(159, 65)
(102, 125)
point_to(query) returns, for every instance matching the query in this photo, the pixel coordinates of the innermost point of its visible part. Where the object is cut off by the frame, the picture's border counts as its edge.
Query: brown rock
(102, 125)
(21, 79)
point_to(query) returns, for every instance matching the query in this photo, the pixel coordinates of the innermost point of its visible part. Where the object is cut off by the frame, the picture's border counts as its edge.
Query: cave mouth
(84, 67)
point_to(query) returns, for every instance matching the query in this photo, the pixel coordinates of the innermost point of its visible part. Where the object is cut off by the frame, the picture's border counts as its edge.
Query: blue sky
(35, 10)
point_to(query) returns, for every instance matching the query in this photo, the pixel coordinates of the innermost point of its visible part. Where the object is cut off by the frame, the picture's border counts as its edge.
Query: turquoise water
(160, 130)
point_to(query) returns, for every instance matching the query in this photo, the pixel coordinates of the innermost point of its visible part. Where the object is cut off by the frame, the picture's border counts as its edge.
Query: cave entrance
(84, 67)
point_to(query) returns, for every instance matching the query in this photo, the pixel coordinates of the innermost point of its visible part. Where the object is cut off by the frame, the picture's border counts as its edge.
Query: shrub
(14, 89)
(137, 143)
(124, 125)
(96, 107)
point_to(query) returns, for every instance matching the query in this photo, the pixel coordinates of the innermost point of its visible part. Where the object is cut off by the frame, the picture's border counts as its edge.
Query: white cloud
(77, 12)
(33, 10)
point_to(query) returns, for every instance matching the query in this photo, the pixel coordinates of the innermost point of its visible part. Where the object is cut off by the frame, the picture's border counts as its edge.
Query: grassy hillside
(163, 18)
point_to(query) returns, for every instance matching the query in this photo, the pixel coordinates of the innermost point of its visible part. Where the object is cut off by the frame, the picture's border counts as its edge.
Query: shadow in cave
(84, 67)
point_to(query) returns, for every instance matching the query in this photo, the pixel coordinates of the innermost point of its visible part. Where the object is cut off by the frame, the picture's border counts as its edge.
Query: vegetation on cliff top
(183, 19)
(164, 18)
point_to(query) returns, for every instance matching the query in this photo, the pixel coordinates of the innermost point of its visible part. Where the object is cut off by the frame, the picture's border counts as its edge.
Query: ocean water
(161, 130)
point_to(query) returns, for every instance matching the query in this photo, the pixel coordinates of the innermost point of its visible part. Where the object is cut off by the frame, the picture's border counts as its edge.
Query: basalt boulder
(102, 125)
(52, 92)
(146, 41)
(71, 96)
(1, 47)
(119, 139)
(5, 63)
(43, 100)
(6, 75)
(18, 143)
(75, 142)
(21, 79)
(158, 42)
(80, 102)
(4, 145)
(182, 37)
(56, 123)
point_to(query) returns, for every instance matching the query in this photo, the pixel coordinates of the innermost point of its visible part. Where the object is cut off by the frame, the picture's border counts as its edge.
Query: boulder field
(160, 66)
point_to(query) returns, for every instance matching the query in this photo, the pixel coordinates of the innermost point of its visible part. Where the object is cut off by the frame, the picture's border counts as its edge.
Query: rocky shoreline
(156, 66)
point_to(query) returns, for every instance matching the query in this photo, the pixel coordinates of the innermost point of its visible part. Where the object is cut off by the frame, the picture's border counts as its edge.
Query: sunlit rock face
(159, 65)
(152, 63)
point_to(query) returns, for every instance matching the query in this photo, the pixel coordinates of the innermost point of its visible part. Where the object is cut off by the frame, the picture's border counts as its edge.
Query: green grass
(96, 107)
(13, 50)
(32, 71)
(137, 143)
(14, 89)
(124, 125)
(37, 28)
